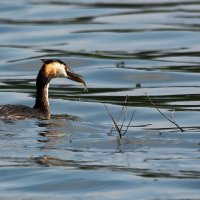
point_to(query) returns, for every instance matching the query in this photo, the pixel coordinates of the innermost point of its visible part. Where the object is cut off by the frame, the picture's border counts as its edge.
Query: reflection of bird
(52, 68)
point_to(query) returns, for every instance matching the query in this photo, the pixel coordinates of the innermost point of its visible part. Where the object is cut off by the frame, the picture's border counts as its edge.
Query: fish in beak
(77, 78)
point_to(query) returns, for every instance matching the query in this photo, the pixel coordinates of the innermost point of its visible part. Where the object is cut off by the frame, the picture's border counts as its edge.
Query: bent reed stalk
(173, 121)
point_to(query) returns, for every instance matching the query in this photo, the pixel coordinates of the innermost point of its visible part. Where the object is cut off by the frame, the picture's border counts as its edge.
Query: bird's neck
(42, 100)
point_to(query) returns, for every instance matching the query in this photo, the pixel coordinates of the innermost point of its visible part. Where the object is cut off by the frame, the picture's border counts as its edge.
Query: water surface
(124, 48)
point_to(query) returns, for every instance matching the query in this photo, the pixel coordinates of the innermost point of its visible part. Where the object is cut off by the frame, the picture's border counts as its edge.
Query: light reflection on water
(73, 154)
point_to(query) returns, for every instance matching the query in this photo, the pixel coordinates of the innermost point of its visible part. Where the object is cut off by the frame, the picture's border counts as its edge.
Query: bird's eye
(66, 68)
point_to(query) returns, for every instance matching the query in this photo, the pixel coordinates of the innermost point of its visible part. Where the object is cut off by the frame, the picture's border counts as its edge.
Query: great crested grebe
(51, 68)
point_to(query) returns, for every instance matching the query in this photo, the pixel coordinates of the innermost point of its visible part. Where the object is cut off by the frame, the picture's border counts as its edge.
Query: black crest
(48, 61)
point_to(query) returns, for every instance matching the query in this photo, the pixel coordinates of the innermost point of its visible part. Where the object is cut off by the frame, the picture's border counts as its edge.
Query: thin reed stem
(170, 120)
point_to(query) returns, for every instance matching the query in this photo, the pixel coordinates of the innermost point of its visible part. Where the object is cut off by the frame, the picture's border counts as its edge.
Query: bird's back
(18, 112)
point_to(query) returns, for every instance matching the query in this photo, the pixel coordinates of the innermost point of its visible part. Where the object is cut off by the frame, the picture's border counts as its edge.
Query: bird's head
(54, 68)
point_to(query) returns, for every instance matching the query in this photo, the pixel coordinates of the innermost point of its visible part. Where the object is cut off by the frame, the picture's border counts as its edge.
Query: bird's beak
(76, 77)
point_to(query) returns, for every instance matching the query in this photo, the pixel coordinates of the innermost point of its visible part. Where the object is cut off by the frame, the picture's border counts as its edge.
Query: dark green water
(74, 155)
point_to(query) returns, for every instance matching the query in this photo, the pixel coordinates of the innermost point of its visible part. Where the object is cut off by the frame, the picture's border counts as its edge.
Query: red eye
(66, 68)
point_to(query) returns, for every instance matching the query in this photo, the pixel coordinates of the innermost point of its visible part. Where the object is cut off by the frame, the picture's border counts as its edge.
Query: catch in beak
(77, 78)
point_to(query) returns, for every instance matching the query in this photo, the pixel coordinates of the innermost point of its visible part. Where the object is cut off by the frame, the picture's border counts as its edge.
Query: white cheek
(61, 70)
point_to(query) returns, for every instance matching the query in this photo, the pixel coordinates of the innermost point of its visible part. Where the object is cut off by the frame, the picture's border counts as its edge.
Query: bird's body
(20, 112)
(50, 69)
